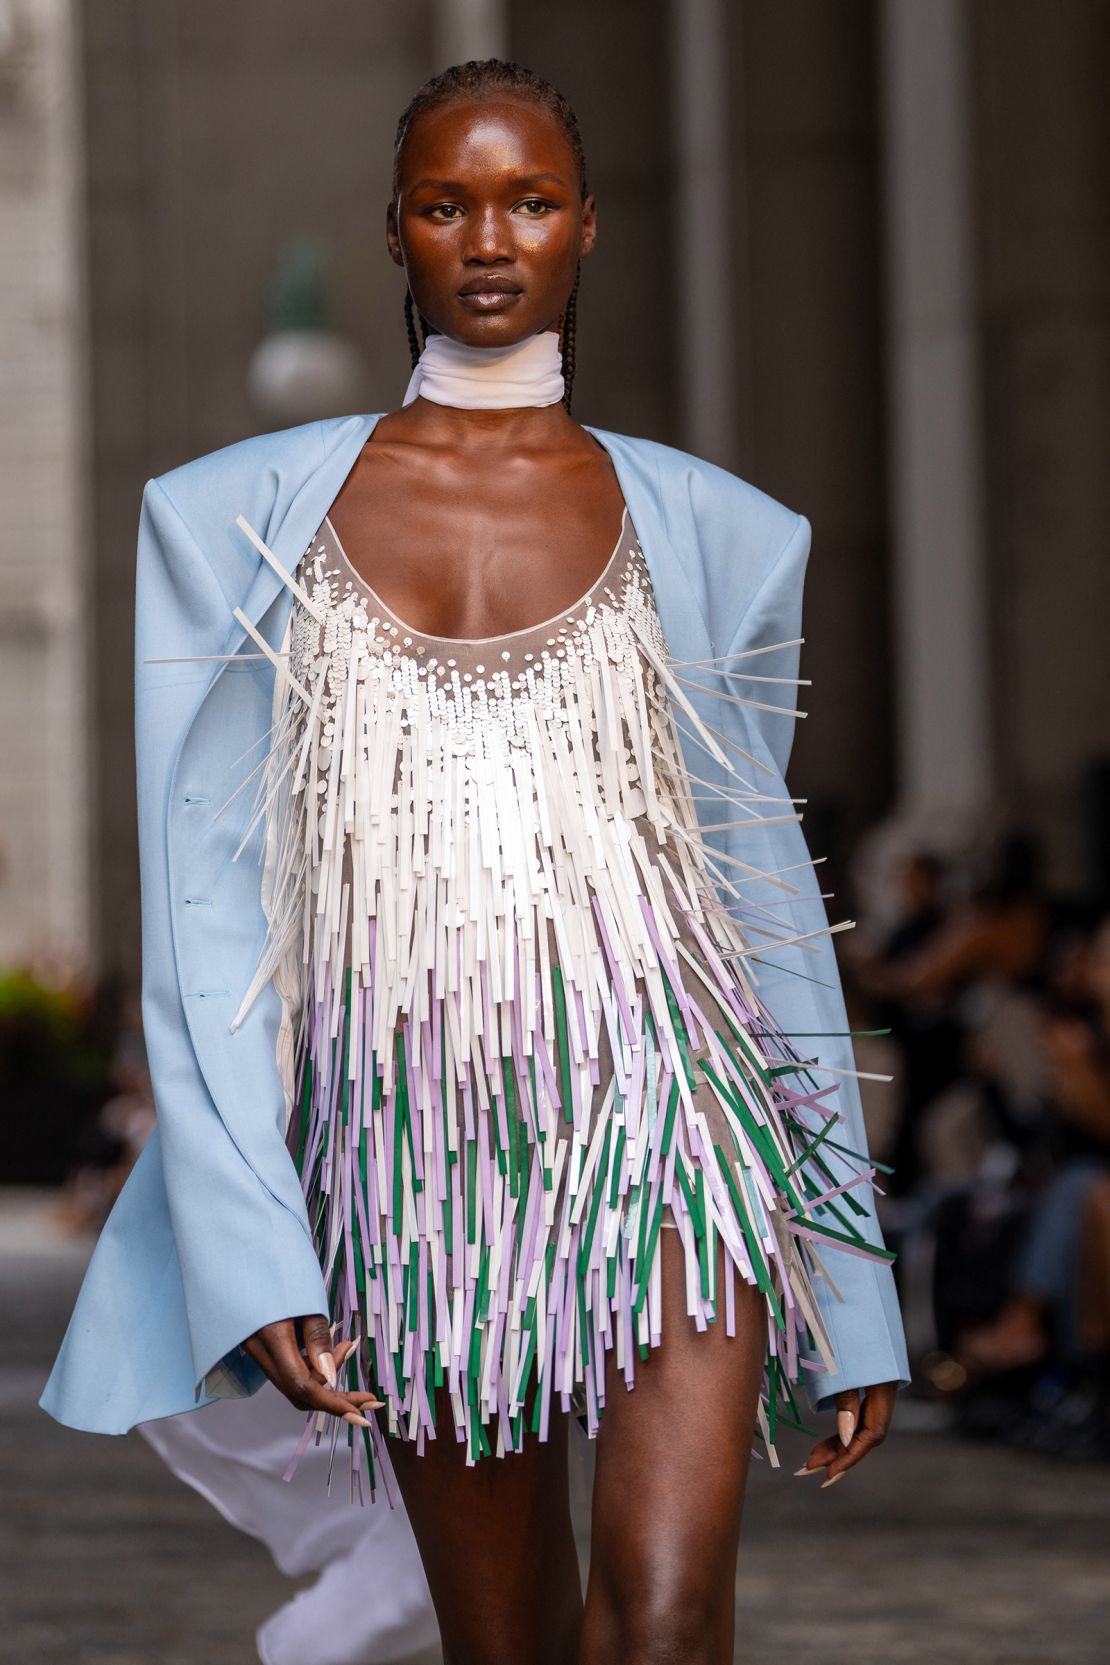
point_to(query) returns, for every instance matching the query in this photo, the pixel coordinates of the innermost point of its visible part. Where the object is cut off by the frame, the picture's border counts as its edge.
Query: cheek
(555, 244)
(426, 244)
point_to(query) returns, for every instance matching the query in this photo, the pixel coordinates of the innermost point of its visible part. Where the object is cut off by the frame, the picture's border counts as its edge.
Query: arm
(239, 1225)
(801, 987)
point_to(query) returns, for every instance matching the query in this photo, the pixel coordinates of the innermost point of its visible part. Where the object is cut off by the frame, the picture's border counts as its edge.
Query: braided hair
(478, 78)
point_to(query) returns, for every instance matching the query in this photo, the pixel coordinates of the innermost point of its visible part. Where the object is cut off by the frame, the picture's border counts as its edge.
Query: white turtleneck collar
(530, 372)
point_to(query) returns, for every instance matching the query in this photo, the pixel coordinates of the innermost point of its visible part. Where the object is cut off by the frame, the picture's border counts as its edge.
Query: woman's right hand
(308, 1377)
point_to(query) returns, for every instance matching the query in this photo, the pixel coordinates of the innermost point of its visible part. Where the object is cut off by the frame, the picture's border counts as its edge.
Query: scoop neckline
(480, 641)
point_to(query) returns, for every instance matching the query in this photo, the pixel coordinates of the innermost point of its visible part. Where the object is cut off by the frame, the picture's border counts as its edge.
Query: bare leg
(497, 1546)
(672, 1465)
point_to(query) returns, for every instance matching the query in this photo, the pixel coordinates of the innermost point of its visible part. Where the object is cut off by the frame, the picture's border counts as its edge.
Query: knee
(668, 1616)
(555, 1641)
(682, 1633)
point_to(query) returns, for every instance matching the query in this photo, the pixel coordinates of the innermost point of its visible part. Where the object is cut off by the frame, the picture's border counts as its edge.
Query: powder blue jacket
(209, 1238)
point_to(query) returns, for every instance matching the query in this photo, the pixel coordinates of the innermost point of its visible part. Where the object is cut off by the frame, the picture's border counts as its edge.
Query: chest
(479, 549)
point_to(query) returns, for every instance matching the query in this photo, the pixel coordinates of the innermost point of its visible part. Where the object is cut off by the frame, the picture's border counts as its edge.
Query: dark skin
(491, 190)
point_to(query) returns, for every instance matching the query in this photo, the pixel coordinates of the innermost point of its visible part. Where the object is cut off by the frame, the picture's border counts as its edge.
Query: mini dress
(522, 1034)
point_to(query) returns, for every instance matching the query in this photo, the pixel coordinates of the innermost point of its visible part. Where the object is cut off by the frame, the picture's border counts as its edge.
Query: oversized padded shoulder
(708, 485)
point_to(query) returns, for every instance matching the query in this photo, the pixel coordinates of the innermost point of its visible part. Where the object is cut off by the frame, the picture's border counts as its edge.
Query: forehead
(500, 132)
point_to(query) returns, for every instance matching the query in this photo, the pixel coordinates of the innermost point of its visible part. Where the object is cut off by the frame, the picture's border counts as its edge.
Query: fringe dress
(521, 1036)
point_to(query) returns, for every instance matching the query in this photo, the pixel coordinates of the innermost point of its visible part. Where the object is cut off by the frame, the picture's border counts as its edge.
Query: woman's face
(488, 222)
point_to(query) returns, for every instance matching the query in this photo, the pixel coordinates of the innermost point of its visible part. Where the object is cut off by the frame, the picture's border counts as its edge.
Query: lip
(492, 292)
(490, 285)
(489, 300)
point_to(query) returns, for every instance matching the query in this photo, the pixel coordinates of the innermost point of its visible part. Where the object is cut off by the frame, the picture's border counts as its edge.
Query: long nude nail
(834, 1479)
(359, 1421)
(798, 1471)
(327, 1367)
(845, 1426)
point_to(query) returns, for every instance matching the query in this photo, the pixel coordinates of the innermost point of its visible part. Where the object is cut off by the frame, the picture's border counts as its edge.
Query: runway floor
(936, 1550)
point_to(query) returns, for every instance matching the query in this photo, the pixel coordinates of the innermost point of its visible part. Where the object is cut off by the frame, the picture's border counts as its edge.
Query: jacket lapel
(674, 564)
(289, 538)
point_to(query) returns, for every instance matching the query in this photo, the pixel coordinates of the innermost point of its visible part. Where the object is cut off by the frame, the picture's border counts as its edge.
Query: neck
(512, 430)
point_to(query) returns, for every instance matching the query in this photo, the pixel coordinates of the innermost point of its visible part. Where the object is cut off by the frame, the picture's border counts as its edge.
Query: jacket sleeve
(238, 1218)
(800, 982)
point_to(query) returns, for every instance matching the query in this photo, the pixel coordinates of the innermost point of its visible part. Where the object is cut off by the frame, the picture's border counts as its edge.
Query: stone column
(464, 29)
(705, 282)
(941, 658)
(1044, 160)
(44, 530)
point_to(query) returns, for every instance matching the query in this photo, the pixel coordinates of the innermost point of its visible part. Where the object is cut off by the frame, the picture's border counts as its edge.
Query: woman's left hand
(859, 1429)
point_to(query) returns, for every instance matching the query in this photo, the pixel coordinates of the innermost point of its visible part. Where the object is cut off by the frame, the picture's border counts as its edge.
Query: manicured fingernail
(834, 1479)
(845, 1426)
(327, 1366)
(359, 1421)
(798, 1471)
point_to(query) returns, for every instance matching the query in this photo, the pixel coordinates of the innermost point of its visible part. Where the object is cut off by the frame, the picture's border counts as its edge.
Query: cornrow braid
(415, 341)
(477, 79)
(567, 337)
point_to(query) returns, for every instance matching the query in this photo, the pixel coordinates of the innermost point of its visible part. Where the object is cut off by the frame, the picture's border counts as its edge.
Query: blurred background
(857, 251)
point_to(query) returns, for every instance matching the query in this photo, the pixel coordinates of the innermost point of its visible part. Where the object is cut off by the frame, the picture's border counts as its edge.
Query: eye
(450, 210)
(536, 203)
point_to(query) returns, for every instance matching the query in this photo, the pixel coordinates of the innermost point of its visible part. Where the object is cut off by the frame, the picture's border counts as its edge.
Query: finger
(864, 1441)
(847, 1414)
(313, 1396)
(276, 1349)
(301, 1383)
(308, 1393)
(256, 1348)
(878, 1411)
(357, 1419)
(820, 1457)
(261, 1345)
(318, 1347)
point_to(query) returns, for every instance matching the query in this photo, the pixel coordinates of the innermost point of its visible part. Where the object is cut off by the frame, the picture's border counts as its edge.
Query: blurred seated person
(936, 956)
(1061, 1282)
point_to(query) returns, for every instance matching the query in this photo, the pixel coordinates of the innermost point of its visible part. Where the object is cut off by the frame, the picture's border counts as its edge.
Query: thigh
(672, 1464)
(497, 1545)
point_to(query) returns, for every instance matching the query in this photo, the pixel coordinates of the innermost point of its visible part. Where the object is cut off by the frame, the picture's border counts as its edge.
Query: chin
(499, 329)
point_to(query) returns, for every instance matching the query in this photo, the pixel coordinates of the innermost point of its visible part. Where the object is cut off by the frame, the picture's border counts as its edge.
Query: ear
(589, 224)
(393, 235)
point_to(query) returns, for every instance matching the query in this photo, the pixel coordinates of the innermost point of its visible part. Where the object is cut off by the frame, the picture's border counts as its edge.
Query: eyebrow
(457, 186)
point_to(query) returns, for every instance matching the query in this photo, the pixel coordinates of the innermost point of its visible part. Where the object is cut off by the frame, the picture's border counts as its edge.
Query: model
(502, 1068)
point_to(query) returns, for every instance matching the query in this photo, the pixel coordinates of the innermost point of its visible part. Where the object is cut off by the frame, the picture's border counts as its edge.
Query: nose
(490, 239)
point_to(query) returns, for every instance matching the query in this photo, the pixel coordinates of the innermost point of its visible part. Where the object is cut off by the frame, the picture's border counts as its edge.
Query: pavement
(934, 1550)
